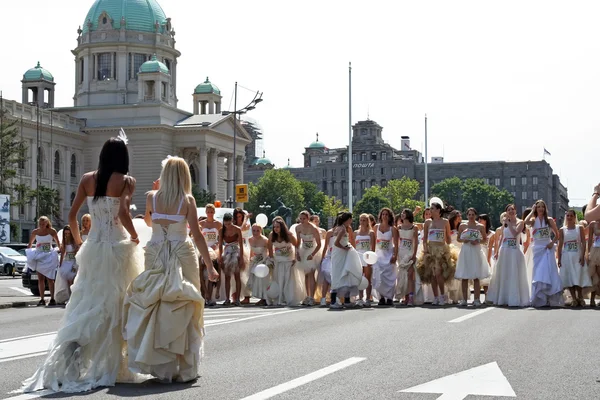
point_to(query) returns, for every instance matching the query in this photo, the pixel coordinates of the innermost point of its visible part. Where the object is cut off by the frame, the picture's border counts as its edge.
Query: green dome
(207, 87)
(38, 73)
(316, 145)
(263, 161)
(154, 65)
(140, 15)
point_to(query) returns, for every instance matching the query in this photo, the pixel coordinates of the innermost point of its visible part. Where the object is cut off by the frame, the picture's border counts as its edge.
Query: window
(382, 170)
(513, 194)
(383, 183)
(363, 186)
(73, 166)
(324, 187)
(372, 171)
(393, 170)
(333, 188)
(56, 163)
(104, 21)
(497, 181)
(343, 172)
(81, 69)
(164, 91)
(524, 181)
(373, 156)
(137, 61)
(104, 66)
(72, 198)
(344, 188)
(535, 181)
(333, 172)
(487, 181)
(383, 156)
(21, 202)
(354, 188)
(345, 157)
(167, 63)
(324, 173)
(535, 195)
(363, 156)
(354, 156)
(193, 173)
(523, 195)
(513, 181)
(373, 182)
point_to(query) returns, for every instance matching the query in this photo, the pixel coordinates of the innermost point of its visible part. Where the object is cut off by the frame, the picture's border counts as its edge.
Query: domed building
(126, 77)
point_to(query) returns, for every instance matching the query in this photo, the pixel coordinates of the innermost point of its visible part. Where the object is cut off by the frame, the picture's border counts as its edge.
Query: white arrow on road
(486, 380)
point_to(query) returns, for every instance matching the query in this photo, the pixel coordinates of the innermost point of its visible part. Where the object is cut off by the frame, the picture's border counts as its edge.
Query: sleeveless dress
(528, 255)
(259, 285)
(384, 272)
(307, 246)
(508, 285)
(594, 264)
(571, 272)
(288, 278)
(68, 268)
(363, 244)
(472, 263)
(89, 350)
(164, 309)
(346, 270)
(546, 286)
(426, 289)
(245, 272)
(326, 262)
(439, 256)
(405, 252)
(43, 258)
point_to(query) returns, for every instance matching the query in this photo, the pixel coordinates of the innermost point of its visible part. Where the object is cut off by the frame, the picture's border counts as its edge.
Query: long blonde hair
(175, 182)
(47, 220)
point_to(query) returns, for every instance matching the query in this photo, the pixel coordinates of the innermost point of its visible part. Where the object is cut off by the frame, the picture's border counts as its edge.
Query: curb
(18, 304)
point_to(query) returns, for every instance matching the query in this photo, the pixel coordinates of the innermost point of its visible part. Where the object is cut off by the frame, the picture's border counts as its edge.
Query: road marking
(255, 316)
(34, 395)
(20, 290)
(3, 360)
(26, 337)
(471, 315)
(303, 380)
(217, 321)
(485, 380)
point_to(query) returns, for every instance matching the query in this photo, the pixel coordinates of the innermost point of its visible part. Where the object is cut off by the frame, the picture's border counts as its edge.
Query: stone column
(211, 107)
(230, 187)
(240, 174)
(67, 170)
(214, 185)
(196, 107)
(157, 91)
(40, 96)
(203, 168)
(25, 96)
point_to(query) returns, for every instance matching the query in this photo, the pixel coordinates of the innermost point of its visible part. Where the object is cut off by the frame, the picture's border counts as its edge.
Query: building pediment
(222, 124)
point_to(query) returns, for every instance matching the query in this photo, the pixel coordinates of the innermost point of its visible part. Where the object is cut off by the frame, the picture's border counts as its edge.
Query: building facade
(375, 162)
(126, 77)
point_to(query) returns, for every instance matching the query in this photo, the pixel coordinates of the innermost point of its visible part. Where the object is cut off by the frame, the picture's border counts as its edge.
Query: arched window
(193, 173)
(56, 163)
(72, 197)
(73, 166)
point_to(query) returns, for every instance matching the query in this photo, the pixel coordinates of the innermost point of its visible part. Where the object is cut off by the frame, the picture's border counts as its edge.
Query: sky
(497, 80)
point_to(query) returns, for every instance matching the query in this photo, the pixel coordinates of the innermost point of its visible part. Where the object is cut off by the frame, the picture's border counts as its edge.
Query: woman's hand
(550, 245)
(241, 262)
(582, 261)
(135, 240)
(156, 184)
(310, 257)
(213, 275)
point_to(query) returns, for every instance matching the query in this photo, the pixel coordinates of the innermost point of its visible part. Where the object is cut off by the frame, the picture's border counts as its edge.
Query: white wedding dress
(89, 350)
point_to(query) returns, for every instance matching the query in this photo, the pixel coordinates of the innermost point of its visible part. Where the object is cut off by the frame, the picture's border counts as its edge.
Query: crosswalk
(37, 345)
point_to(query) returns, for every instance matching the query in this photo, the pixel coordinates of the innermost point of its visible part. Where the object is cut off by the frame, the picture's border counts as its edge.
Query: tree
(313, 199)
(13, 151)
(373, 200)
(203, 197)
(485, 198)
(402, 194)
(331, 208)
(276, 183)
(48, 203)
(450, 191)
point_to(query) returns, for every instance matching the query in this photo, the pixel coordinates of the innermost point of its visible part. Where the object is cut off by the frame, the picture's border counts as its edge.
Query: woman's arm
(124, 212)
(80, 197)
(340, 234)
(448, 231)
(317, 236)
(148, 215)
(32, 238)
(426, 235)
(461, 229)
(592, 212)
(62, 254)
(270, 245)
(561, 242)
(415, 242)
(54, 235)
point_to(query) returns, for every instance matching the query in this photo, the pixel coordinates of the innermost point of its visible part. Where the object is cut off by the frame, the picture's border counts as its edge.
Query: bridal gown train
(89, 350)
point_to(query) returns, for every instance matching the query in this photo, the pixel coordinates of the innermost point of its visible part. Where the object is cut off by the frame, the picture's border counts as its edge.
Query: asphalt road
(253, 353)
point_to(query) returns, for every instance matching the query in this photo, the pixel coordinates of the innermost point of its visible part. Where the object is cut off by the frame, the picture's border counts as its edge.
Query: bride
(164, 307)
(89, 350)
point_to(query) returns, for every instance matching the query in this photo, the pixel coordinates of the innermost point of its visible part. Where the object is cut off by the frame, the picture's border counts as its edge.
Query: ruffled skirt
(508, 285)
(546, 287)
(346, 271)
(164, 313)
(89, 350)
(290, 282)
(572, 273)
(257, 285)
(304, 265)
(439, 257)
(231, 260)
(44, 263)
(472, 263)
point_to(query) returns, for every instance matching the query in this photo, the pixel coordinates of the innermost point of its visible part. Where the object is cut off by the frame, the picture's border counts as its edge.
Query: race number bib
(210, 236)
(406, 244)
(470, 235)
(541, 233)
(363, 245)
(383, 244)
(70, 256)
(510, 243)
(571, 246)
(283, 251)
(436, 235)
(308, 244)
(45, 247)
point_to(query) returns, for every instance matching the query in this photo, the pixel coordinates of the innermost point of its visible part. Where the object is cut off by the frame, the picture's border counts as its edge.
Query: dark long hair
(488, 222)
(390, 216)
(237, 211)
(343, 217)
(114, 157)
(226, 217)
(523, 216)
(453, 217)
(283, 231)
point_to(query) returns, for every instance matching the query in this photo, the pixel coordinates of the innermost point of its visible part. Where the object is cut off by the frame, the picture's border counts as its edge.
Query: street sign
(485, 380)
(241, 193)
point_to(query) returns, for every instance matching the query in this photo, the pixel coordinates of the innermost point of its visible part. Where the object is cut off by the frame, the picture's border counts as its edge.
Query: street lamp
(251, 106)
(265, 206)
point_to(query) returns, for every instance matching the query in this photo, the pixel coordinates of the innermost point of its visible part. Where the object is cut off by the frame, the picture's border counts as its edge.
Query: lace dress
(89, 350)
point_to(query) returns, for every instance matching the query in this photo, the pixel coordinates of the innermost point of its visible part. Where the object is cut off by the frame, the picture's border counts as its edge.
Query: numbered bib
(308, 244)
(45, 247)
(470, 235)
(70, 256)
(210, 236)
(383, 244)
(406, 244)
(436, 235)
(510, 243)
(541, 233)
(283, 251)
(571, 246)
(363, 245)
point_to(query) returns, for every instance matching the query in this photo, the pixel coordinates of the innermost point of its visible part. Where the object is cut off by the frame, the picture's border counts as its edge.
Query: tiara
(164, 162)
(123, 137)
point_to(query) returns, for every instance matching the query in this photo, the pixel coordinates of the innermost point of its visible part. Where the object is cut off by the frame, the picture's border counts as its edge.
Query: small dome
(138, 15)
(288, 166)
(37, 74)
(263, 161)
(154, 65)
(207, 87)
(316, 145)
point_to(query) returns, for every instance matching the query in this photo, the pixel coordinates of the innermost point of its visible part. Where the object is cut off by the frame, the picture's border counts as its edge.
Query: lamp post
(251, 106)
(265, 206)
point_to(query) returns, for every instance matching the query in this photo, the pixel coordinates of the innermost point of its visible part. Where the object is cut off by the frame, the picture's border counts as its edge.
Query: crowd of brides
(527, 261)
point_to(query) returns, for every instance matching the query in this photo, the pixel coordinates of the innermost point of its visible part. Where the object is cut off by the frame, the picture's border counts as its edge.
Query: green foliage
(314, 200)
(203, 197)
(331, 208)
(579, 215)
(273, 184)
(474, 193)
(450, 191)
(402, 194)
(48, 203)
(13, 151)
(373, 200)
(14, 232)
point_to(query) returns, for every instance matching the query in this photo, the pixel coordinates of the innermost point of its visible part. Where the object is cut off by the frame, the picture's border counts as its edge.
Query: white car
(11, 260)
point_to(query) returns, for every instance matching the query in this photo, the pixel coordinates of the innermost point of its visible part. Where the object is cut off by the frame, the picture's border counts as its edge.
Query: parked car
(12, 261)
(29, 280)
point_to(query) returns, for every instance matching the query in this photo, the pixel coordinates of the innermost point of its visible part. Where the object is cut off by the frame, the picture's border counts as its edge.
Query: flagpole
(426, 174)
(350, 136)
